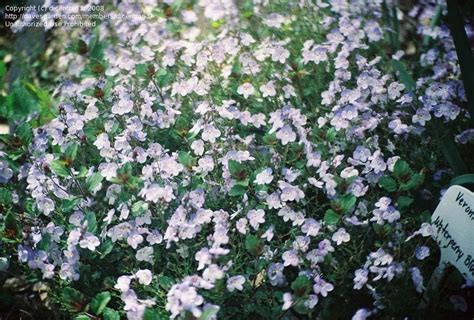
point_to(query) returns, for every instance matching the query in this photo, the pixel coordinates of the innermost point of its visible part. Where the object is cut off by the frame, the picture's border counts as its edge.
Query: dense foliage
(240, 160)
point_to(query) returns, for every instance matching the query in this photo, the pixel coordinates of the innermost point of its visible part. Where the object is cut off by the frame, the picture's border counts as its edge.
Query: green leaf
(209, 313)
(3, 70)
(270, 139)
(404, 202)
(125, 170)
(25, 133)
(100, 301)
(301, 308)
(58, 168)
(141, 70)
(402, 170)
(165, 282)
(69, 204)
(73, 299)
(105, 248)
(91, 222)
(43, 99)
(403, 75)
(20, 101)
(152, 314)
(347, 202)
(16, 154)
(331, 134)
(111, 314)
(5, 196)
(71, 151)
(234, 167)
(388, 183)
(414, 181)
(451, 152)
(243, 183)
(82, 317)
(465, 179)
(301, 286)
(139, 207)
(11, 222)
(93, 181)
(237, 190)
(186, 159)
(163, 78)
(97, 50)
(45, 242)
(331, 217)
(253, 244)
(82, 172)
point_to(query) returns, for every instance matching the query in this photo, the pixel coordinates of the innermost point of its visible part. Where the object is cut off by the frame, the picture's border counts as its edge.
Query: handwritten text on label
(453, 220)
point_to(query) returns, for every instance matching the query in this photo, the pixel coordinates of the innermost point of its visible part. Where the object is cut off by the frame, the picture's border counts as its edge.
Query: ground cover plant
(240, 160)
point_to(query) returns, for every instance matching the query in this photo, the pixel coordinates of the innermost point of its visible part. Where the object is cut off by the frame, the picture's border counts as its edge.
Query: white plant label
(453, 220)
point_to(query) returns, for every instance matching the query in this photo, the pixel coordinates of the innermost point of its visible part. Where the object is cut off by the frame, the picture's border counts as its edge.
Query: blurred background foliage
(28, 75)
(27, 72)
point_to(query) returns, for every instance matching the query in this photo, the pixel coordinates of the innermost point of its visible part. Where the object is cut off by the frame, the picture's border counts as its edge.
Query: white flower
(235, 283)
(361, 278)
(123, 106)
(108, 170)
(184, 297)
(246, 90)
(318, 184)
(144, 276)
(322, 287)
(241, 225)
(341, 236)
(349, 172)
(213, 273)
(145, 254)
(273, 201)
(275, 20)
(155, 193)
(123, 283)
(268, 89)
(102, 141)
(286, 135)
(189, 16)
(287, 300)
(169, 167)
(310, 227)
(134, 240)
(74, 236)
(289, 91)
(280, 54)
(312, 301)
(198, 147)
(256, 217)
(45, 205)
(155, 237)
(48, 271)
(89, 241)
(203, 257)
(258, 120)
(268, 235)
(290, 192)
(290, 258)
(206, 164)
(210, 133)
(264, 177)
(362, 314)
